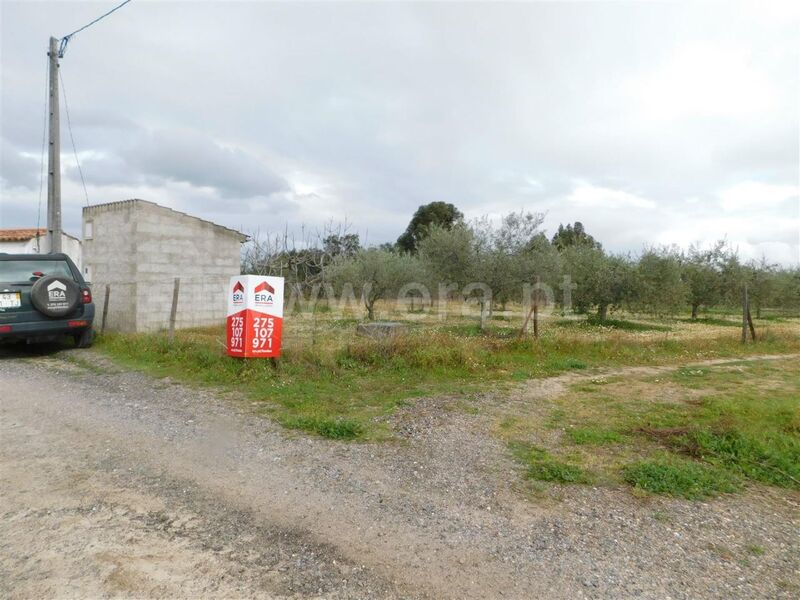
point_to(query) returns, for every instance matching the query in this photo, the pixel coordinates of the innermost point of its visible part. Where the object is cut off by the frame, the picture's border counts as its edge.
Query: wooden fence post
(750, 320)
(536, 308)
(174, 311)
(105, 308)
(744, 314)
(533, 311)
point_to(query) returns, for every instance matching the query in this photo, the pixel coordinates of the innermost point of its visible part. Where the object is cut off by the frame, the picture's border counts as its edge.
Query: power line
(65, 40)
(41, 162)
(72, 139)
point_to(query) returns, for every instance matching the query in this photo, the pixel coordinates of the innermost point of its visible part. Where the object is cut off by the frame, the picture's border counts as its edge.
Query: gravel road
(116, 484)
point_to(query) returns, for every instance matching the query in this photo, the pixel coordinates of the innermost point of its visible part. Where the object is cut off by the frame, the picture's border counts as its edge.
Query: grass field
(685, 431)
(717, 428)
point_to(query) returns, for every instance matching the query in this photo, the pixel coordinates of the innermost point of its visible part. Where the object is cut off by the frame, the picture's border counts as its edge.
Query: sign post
(255, 316)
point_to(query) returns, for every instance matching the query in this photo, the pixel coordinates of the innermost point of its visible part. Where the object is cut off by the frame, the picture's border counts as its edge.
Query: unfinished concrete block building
(138, 248)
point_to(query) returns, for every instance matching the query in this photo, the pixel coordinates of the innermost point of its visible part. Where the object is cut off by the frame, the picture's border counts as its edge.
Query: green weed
(773, 458)
(594, 437)
(335, 429)
(541, 466)
(677, 477)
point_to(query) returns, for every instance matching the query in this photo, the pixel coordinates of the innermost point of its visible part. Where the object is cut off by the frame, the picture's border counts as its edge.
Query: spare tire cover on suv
(55, 295)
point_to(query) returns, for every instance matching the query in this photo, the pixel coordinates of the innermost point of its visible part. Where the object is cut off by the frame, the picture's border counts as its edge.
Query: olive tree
(659, 287)
(491, 262)
(448, 255)
(601, 281)
(702, 273)
(512, 254)
(376, 273)
(761, 284)
(787, 289)
(454, 261)
(733, 276)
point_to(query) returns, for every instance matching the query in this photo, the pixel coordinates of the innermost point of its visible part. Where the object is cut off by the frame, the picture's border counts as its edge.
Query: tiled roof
(20, 235)
(23, 235)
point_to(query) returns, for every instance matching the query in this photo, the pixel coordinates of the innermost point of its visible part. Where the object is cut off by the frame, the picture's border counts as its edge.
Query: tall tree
(347, 244)
(443, 214)
(573, 235)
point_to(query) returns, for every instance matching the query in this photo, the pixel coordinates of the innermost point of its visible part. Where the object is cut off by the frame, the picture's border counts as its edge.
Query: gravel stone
(114, 483)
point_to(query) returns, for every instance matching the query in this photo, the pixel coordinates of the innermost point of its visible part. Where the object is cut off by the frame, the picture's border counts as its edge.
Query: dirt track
(115, 484)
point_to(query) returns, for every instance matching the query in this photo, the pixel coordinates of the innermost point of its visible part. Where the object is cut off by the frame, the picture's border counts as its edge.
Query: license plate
(12, 300)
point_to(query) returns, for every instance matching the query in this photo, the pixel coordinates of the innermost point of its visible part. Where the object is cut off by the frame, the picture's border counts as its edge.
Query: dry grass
(329, 380)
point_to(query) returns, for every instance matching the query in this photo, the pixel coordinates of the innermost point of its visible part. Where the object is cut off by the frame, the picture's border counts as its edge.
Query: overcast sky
(652, 123)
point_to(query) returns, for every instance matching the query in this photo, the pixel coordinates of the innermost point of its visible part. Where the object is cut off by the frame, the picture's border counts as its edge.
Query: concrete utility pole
(54, 156)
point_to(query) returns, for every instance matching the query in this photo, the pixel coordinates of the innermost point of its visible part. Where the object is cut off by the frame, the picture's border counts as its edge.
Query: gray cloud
(252, 112)
(180, 156)
(18, 170)
(187, 156)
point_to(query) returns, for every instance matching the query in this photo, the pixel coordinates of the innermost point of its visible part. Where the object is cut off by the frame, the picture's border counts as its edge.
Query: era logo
(263, 293)
(238, 293)
(57, 292)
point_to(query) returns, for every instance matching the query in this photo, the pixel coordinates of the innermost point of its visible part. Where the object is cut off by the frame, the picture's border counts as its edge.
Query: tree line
(442, 256)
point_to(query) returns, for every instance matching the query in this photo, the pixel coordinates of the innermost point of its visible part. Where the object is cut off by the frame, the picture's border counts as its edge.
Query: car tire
(84, 339)
(56, 296)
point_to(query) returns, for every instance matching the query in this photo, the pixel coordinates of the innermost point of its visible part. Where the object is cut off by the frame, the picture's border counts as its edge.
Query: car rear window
(22, 271)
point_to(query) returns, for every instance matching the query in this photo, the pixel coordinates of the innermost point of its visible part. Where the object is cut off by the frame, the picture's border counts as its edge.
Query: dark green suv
(44, 297)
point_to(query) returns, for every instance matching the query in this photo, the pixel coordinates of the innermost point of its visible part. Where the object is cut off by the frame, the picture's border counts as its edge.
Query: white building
(34, 241)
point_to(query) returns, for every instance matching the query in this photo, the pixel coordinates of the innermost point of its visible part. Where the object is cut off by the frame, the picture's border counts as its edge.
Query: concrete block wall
(141, 247)
(109, 257)
(201, 302)
(121, 306)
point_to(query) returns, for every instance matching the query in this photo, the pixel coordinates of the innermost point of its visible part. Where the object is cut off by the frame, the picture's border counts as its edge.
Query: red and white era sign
(255, 316)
